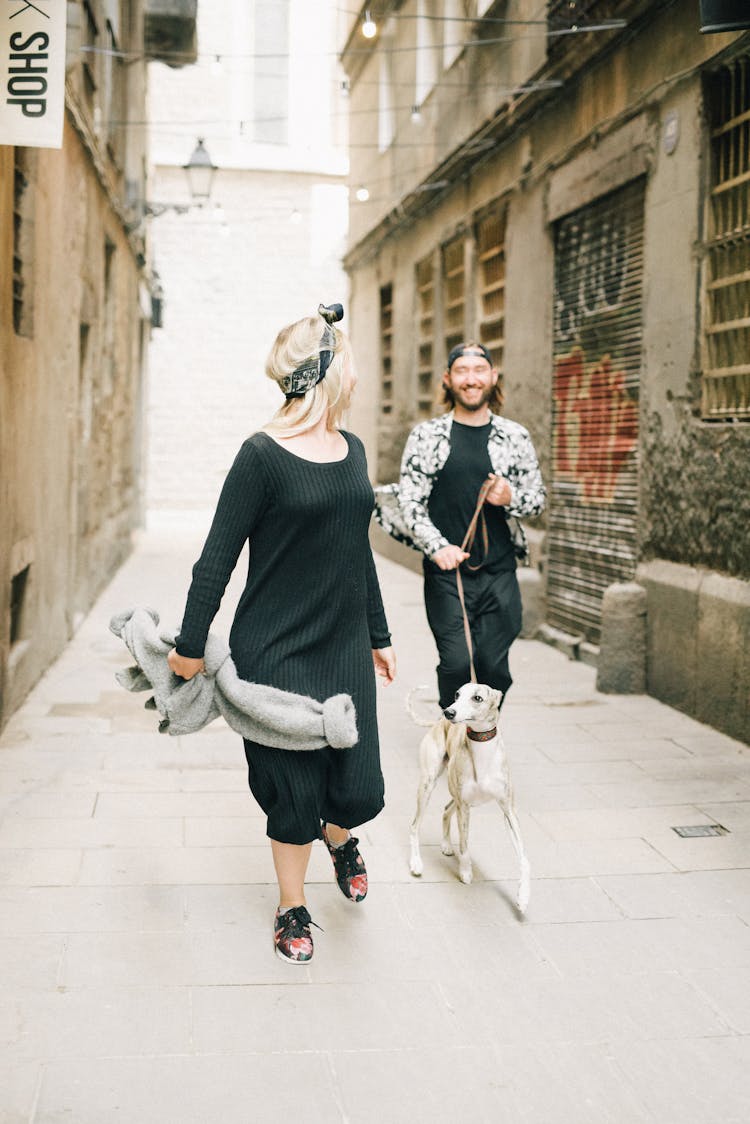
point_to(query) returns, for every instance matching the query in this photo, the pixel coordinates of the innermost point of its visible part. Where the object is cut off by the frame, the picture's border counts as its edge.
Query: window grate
(425, 284)
(454, 293)
(490, 238)
(726, 348)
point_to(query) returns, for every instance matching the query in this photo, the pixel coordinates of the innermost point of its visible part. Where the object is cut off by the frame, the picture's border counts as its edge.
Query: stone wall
(71, 406)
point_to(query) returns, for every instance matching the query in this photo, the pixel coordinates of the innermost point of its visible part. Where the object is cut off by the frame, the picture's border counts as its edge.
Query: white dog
(468, 742)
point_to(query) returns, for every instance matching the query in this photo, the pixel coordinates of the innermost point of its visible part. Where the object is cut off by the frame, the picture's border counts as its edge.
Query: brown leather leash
(477, 519)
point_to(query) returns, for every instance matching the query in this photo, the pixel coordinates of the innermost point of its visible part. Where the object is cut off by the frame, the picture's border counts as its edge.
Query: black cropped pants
(493, 607)
(299, 789)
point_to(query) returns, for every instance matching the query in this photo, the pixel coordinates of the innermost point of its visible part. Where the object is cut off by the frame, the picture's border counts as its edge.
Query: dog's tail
(411, 711)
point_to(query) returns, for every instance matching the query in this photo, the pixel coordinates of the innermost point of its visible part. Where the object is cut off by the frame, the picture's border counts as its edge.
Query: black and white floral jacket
(401, 509)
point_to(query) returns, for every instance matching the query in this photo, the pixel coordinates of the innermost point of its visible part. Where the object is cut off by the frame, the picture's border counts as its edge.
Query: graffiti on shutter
(597, 357)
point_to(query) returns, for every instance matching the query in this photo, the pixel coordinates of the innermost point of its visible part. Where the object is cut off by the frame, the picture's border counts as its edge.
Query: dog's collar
(481, 735)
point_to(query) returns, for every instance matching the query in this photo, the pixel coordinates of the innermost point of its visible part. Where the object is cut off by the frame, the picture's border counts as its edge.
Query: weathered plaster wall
(70, 461)
(698, 495)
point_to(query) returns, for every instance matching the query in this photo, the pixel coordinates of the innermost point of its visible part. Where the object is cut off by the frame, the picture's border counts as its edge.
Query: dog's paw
(466, 876)
(415, 866)
(446, 848)
(522, 901)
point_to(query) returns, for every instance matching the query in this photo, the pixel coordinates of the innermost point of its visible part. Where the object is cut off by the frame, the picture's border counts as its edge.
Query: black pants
(297, 789)
(493, 606)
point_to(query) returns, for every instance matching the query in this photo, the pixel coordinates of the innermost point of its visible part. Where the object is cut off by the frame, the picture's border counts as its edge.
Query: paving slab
(137, 893)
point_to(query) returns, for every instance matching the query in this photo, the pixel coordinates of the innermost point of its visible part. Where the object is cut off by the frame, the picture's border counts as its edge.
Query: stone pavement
(136, 897)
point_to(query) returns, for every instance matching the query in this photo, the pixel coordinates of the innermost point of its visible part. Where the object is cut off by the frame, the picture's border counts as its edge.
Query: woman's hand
(384, 660)
(184, 666)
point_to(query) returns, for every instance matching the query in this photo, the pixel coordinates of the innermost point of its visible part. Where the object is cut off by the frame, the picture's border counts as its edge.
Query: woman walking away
(310, 619)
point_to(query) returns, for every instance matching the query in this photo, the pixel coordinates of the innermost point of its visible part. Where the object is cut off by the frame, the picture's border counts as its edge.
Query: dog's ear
(496, 697)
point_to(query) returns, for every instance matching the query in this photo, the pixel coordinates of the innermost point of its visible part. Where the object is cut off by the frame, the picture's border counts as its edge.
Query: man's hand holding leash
(499, 494)
(449, 557)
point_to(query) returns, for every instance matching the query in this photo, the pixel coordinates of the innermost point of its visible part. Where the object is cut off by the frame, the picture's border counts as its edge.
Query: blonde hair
(293, 345)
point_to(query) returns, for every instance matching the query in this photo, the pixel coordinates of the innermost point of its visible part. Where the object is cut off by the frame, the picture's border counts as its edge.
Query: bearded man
(445, 462)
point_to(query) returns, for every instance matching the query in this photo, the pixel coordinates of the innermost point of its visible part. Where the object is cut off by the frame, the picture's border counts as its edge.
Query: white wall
(264, 251)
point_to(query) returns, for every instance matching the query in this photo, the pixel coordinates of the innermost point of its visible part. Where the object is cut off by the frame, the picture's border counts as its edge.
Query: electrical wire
(276, 56)
(200, 122)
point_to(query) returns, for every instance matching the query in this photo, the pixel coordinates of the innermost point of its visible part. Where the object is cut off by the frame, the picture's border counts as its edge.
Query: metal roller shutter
(597, 359)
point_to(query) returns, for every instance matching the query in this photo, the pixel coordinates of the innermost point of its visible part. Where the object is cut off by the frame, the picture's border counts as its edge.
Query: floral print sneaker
(349, 867)
(292, 936)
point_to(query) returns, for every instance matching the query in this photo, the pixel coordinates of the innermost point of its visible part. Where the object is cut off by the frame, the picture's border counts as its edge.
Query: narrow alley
(137, 894)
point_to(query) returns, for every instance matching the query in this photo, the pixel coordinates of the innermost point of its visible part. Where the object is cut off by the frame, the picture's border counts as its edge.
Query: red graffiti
(596, 424)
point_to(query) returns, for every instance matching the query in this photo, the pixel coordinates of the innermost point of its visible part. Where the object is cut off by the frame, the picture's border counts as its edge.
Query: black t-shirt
(454, 498)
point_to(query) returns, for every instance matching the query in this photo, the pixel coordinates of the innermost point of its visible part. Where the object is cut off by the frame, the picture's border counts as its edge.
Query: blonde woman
(310, 619)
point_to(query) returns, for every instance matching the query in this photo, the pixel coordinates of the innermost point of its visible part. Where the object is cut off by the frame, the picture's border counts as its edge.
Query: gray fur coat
(260, 713)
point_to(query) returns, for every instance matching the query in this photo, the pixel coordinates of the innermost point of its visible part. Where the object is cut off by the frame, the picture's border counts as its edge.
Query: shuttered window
(726, 366)
(386, 349)
(490, 237)
(425, 285)
(593, 508)
(454, 293)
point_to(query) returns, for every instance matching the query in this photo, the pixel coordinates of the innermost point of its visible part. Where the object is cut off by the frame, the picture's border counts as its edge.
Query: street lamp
(200, 171)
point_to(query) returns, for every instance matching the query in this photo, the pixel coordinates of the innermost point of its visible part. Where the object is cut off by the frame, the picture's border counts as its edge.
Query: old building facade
(74, 326)
(570, 183)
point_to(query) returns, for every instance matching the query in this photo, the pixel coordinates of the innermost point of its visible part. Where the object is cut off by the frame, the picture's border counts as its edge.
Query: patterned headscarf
(313, 370)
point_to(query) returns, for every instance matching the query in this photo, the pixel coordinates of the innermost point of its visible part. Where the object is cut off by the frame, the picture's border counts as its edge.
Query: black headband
(468, 349)
(313, 370)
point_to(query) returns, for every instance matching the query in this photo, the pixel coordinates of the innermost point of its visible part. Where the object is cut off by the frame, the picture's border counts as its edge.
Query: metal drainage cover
(700, 830)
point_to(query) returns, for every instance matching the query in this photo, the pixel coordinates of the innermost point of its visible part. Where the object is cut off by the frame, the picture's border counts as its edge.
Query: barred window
(726, 353)
(386, 349)
(490, 237)
(425, 285)
(454, 293)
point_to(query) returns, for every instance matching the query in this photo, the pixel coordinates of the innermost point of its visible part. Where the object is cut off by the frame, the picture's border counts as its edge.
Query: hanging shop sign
(593, 509)
(32, 72)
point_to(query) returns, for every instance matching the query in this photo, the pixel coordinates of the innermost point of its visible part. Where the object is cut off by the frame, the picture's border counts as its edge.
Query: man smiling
(446, 460)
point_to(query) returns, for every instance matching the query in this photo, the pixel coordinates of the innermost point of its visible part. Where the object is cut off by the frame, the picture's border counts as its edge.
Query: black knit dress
(310, 613)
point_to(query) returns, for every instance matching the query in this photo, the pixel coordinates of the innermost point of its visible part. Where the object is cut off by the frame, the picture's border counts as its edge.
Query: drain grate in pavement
(701, 829)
